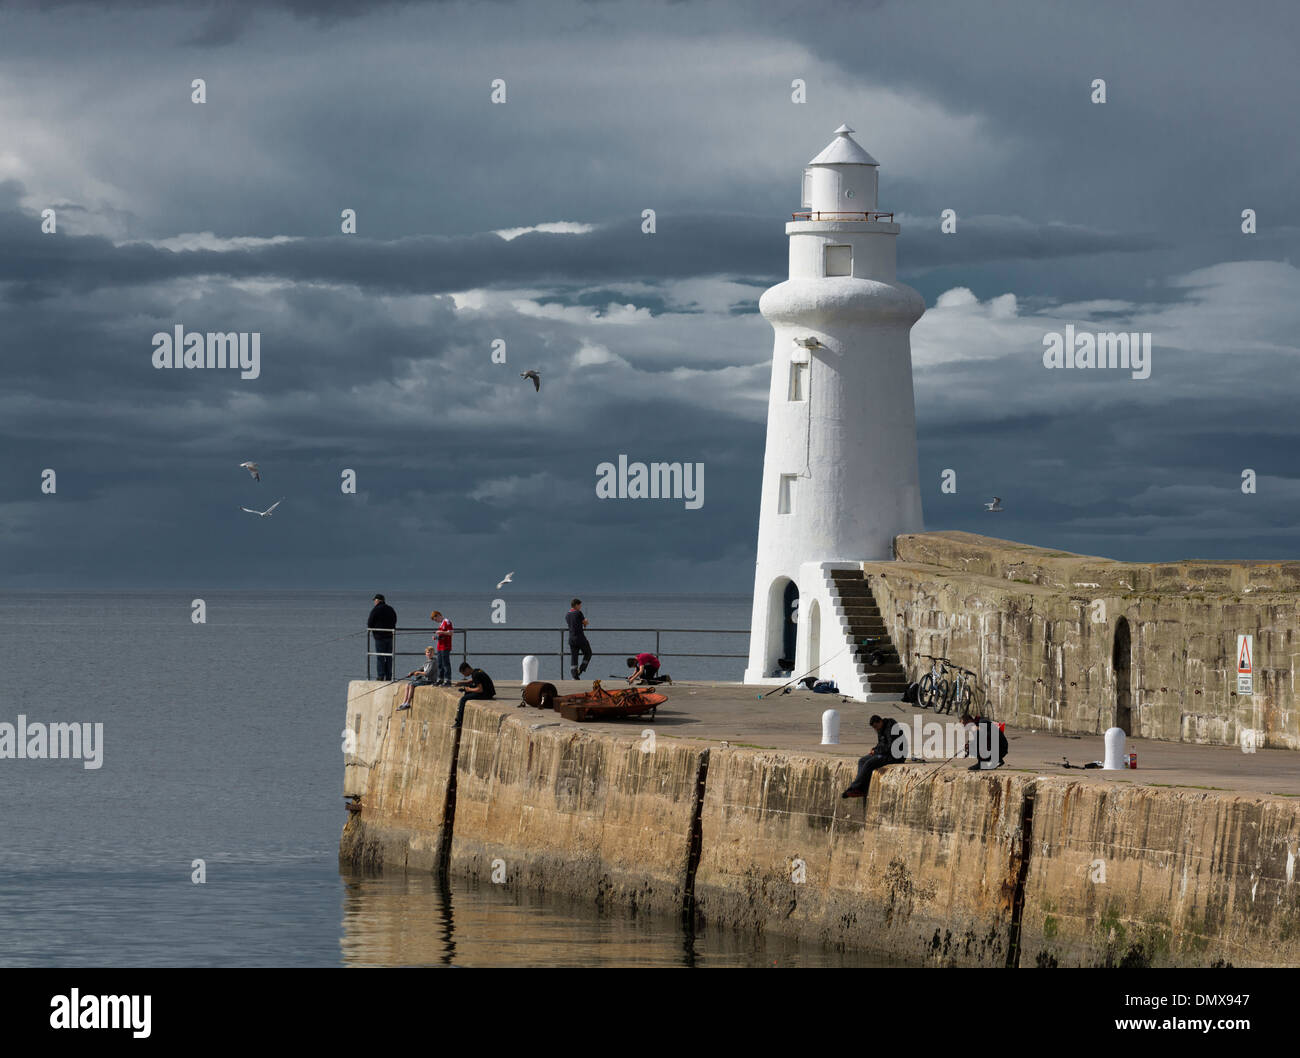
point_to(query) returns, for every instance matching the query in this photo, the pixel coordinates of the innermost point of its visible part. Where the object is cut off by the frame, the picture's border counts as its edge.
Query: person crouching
(646, 668)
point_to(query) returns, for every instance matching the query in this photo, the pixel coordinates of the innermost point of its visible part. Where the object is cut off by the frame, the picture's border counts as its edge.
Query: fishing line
(774, 690)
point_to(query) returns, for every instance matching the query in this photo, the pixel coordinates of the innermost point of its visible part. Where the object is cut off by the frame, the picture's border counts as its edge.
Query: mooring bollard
(530, 669)
(831, 727)
(1115, 750)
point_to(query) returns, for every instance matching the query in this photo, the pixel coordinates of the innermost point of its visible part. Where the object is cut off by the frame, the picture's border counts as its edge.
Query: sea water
(222, 760)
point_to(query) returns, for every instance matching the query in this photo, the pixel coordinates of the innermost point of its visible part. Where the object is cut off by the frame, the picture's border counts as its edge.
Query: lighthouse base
(825, 645)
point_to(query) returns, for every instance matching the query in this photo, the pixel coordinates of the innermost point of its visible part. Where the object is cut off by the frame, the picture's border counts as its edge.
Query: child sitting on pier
(420, 678)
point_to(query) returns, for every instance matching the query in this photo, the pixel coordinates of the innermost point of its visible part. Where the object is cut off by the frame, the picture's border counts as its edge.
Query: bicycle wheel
(925, 691)
(944, 696)
(965, 698)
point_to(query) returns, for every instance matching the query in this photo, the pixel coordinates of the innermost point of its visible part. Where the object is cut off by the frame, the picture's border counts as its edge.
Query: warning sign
(1245, 665)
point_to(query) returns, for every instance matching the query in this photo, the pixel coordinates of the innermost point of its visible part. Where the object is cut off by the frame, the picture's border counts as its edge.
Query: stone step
(877, 624)
(856, 604)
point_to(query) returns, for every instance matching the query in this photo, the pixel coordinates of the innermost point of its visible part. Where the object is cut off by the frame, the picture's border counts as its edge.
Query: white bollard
(530, 669)
(1115, 750)
(831, 727)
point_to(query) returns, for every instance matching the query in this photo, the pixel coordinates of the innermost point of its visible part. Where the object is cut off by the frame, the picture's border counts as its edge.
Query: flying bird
(509, 579)
(537, 379)
(808, 343)
(252, 468)
(263, 514)
(995, 506)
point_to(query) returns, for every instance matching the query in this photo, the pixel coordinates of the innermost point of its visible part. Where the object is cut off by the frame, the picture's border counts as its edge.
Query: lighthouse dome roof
(844, 150)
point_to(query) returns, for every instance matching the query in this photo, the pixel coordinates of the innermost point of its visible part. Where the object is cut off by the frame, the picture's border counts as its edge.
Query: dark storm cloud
(683, 246)
(369, 363)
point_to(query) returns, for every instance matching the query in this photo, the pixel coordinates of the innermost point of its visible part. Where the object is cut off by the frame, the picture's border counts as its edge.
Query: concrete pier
(731, 813)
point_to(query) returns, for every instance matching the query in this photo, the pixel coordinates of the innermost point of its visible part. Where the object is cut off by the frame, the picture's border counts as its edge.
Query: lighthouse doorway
(1122, 662)
(790, 624)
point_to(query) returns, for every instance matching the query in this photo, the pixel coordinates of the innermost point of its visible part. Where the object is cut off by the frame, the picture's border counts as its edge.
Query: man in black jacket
(382, 616)
(891, 748)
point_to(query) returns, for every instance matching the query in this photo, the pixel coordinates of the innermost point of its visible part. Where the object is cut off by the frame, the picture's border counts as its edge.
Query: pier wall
(1040, 628)
(944, 867)
(556, 808)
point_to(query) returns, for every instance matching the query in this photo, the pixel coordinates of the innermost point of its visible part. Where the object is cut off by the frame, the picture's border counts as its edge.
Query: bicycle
(959, 693)
(932, 690)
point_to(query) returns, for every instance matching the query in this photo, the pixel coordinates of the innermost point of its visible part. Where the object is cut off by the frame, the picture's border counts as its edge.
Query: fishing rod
(783, 686)
(921, 782)
(379, 688)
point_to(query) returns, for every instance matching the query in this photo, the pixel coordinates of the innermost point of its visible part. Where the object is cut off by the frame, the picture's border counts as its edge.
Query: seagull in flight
(537, 379)
(265, 513)
(995, 506)
(253, 469)
(509, 579)
(808, 343)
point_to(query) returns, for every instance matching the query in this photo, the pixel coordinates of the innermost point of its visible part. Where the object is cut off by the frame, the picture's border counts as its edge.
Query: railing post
(656, 642)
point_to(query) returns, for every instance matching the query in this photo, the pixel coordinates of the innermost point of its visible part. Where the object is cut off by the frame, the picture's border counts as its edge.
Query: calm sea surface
(222, 742)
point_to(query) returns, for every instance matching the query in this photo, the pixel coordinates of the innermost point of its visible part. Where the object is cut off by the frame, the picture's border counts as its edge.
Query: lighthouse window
(785, 501)
(798, 382)
(839, 260)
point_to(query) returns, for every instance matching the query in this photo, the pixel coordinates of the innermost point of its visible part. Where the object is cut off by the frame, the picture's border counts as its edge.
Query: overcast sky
(376, 346)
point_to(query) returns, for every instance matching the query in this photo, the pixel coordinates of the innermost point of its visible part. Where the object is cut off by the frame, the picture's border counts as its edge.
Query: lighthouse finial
(844, 130)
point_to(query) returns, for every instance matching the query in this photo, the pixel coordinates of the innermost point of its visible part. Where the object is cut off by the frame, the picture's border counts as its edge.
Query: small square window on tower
(798, 381)
(839, 260)
(807, 190)
(785, 501)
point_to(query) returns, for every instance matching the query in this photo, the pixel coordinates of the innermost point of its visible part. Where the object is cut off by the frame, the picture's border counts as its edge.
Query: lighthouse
(840, 477)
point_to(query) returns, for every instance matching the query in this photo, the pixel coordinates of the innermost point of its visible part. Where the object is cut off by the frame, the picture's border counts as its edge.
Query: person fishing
(990, 742)
(891, 748)
(420, 678)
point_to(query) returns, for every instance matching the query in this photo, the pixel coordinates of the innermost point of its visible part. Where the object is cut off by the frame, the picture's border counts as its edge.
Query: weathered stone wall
(402, 770)
(1133, 875)
(1039, 628)
(925, 869)
(572, 812)
(941, 866)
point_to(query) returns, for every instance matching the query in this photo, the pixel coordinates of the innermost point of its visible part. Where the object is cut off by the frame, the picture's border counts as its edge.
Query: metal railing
(870, 214)
(430, 636)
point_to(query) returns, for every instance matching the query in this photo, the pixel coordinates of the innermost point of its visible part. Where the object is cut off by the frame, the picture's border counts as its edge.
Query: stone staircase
(862, 618)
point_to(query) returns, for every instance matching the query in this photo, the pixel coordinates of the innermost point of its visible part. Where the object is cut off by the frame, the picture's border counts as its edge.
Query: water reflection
(420, 920)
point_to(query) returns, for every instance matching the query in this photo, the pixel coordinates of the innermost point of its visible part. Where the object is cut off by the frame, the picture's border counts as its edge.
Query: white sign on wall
(1245, 665)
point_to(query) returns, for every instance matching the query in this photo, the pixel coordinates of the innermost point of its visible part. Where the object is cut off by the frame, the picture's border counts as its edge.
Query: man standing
(577, 639)
(443, 640)
(382, 616)
(891, 748)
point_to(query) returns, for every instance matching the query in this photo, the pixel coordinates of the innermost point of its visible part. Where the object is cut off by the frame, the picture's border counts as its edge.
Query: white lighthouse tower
(840, 476)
